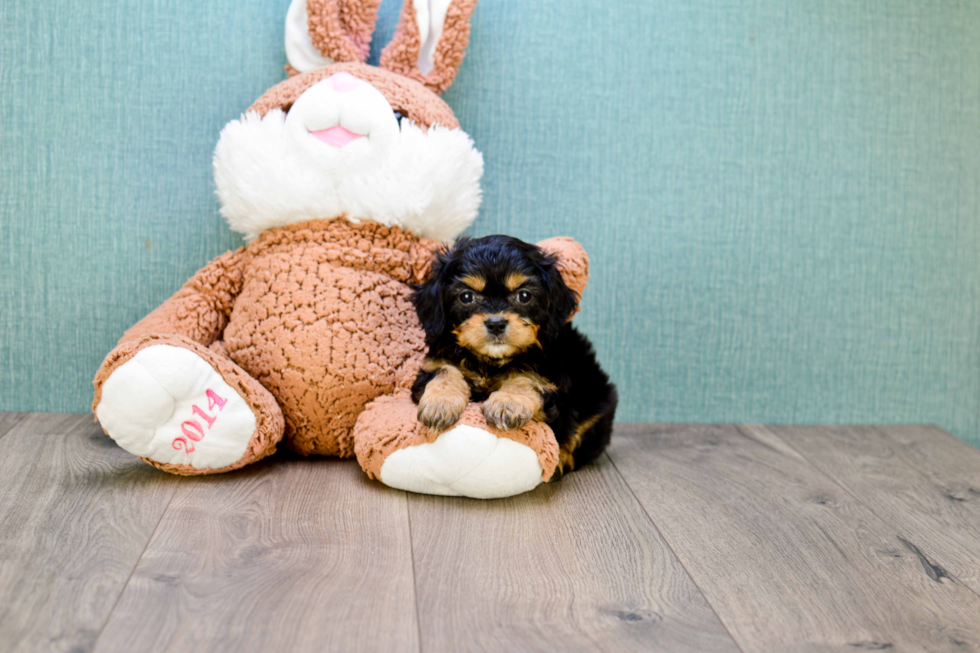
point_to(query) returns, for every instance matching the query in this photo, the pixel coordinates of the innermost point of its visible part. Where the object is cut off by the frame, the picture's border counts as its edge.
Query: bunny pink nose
(343, 82)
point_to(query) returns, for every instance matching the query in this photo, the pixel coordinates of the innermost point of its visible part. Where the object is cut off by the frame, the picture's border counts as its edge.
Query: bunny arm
(199, 310)
(470, 459)
(173, 360)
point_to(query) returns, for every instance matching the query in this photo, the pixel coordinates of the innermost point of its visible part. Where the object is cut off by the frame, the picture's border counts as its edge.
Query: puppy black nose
(495, 325)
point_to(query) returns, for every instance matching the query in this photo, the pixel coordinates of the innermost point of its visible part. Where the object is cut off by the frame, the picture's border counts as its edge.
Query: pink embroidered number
(192, 428)
(215, 400)
(186, 446)
(207, 418)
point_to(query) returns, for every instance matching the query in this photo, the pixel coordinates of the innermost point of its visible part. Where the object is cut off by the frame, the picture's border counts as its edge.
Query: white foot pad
(169, 405)
(464, 461)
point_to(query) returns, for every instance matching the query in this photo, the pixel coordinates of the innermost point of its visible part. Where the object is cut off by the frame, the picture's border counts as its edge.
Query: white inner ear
(300, 51)
(431, 15)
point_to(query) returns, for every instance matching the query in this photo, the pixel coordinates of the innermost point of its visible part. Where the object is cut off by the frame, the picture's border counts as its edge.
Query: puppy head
(494, 296)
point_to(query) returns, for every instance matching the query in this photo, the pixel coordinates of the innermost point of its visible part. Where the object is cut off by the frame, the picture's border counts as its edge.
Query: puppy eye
(524, 296)
(399, 116)
(467, 297)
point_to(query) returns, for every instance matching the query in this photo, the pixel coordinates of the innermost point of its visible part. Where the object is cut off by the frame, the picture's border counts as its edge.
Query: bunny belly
(325, 340)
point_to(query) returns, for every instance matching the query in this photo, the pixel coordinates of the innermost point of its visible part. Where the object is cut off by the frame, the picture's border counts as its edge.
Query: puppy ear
(427, 299)
(562, 300)
(572, 261)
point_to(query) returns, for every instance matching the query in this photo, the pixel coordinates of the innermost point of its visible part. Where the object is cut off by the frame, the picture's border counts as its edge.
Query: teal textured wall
(781, 199)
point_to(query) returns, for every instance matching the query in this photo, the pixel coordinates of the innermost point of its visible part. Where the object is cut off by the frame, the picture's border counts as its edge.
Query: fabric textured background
(781, 199)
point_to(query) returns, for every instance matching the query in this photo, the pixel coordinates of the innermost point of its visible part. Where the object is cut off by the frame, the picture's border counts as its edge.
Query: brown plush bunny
(345, 179)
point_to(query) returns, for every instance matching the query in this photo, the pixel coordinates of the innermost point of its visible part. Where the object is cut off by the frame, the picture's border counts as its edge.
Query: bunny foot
(171, 406)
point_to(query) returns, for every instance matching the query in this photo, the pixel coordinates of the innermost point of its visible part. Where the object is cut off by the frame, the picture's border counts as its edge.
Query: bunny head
(340, 137)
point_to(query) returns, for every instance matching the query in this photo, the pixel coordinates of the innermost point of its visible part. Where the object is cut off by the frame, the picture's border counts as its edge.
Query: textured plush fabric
(402, 54)
(315, 321)
(780, 199)
(318, 312)
(342, 30)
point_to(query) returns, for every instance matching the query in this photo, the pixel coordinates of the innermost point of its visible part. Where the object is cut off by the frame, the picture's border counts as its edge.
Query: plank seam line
(415, 583)
(847, 490)
(132, 571)
(671, 548)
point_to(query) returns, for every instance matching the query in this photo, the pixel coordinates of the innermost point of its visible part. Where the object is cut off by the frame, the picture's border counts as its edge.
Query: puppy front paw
(507, 410)
(440, 411)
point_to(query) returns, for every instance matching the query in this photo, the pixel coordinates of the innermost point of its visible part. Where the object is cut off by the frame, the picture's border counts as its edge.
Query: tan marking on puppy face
(519, 336)
(471, 333)
(515, 280)
(475, 282)
(518, 399)
(524, 334)
(444, 399)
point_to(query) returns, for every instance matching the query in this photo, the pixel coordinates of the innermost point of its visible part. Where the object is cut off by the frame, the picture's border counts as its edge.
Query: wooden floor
(684, 538)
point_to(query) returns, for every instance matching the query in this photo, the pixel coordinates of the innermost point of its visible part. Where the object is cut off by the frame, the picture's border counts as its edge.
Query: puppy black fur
(496, 316)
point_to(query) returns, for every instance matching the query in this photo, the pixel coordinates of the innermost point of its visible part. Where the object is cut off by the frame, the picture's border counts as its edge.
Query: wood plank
(788, 558)
(9, 420)
(920, 479)
(76, 512)
(287, 555)
(572, 566)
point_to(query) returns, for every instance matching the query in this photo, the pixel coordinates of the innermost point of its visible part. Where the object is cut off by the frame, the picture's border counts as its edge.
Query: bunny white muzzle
(343, 118)
(340, 150)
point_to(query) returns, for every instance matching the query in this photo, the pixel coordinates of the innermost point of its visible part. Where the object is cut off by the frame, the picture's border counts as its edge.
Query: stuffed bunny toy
(345, 180)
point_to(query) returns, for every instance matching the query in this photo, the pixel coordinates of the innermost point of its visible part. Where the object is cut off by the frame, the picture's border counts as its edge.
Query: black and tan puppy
(496, 317)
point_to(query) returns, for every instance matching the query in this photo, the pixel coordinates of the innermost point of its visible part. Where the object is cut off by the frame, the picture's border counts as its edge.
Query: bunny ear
(321, 32)
(430, 41)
